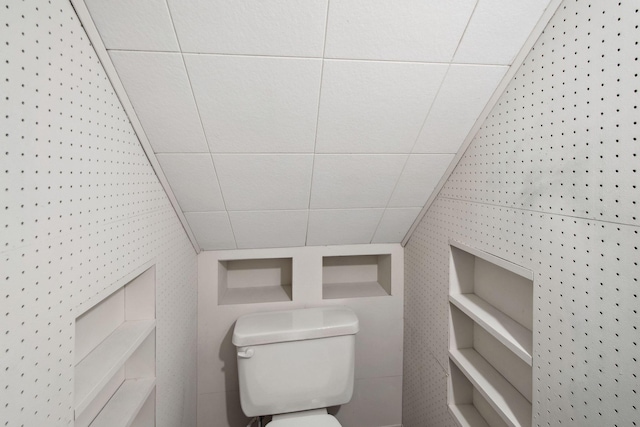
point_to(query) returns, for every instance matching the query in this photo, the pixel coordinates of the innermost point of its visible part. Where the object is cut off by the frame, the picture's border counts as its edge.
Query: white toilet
(294, 364)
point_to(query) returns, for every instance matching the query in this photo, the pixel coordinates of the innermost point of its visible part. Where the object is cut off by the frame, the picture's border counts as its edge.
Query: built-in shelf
(356, 276)
(115, 357)
(506, 330)
(97, 369)
(466, 415)
(248, 281)
(490, 339)
(123, 408)
(514, 409)
(467, 405)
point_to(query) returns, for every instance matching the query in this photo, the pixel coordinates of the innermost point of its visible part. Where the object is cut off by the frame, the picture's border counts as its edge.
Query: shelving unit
(506, 330)
(491, 340)
(125, 405)
(247, 281)
(102, 364)
(356, 276)
(114, 374)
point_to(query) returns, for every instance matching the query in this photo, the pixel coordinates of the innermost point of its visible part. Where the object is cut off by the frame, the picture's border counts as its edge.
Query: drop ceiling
(290, 123)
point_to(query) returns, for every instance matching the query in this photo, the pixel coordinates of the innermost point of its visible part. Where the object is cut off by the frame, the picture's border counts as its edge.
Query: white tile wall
(158, 87)
(271, 27)
(257, 104)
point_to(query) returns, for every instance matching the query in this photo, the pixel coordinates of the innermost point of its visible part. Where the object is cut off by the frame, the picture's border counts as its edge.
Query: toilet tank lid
(294, 325)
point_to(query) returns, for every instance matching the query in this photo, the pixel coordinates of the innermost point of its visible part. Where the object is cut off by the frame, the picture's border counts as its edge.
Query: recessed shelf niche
(115, 353)
(246, 281)
(490, 339)
(356, 276)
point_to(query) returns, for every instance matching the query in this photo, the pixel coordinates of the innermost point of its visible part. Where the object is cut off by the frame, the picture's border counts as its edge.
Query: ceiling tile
(408, 30)
(374, 107)
(269, 229)
(354, 181)
(212, 230)
(419, 177)
(252, 104)
(266, 27)
(264, 182)
(498, 29)
(465, 92)
(394, 225)
(193, 181)
(342, 227)
(134, 25)
(159, 90)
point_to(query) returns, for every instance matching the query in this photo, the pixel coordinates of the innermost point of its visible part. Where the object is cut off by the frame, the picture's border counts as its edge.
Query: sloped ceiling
(308, 122)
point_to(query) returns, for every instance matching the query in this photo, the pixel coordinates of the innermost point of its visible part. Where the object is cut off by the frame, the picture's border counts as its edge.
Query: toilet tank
(295, 360)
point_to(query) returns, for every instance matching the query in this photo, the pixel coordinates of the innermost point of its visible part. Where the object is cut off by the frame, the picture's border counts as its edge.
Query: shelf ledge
(467, 416)
(256, 295)
(122, 408)
(353, 290)
(94, 371)
(513, 335)
(512, 407)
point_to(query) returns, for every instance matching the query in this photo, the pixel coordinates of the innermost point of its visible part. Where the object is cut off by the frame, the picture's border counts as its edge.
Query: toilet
(294, 364)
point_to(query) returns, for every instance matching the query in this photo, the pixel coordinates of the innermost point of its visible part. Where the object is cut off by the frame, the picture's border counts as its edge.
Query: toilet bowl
(295, 364)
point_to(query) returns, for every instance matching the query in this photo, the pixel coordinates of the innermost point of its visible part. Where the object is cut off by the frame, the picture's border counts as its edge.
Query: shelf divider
(94, 371)
(122, 408)
(513, 335)
(512, 407)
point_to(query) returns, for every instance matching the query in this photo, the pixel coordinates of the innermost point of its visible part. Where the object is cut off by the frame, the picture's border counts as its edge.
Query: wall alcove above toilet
(246, 281)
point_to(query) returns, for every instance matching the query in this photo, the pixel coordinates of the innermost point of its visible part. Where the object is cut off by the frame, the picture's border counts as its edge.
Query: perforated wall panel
(81, 208)
(551, 183)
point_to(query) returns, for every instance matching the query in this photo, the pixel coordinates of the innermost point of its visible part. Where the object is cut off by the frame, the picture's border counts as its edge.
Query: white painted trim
(101, 51)
(513, 69)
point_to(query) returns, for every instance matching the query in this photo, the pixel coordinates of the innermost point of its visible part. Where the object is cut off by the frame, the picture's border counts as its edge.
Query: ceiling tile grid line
(407, 159)
(337, 59)
(197, 107)
(315, 139)
(93, 33)
(217, 180)
(274, 80)
(536, 31)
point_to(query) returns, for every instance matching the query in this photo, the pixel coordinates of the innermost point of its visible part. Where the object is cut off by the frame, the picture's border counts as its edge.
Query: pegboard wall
(81, 208)
(551, 183)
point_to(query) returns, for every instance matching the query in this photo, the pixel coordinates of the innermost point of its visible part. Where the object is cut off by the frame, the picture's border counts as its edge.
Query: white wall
(81, 210)
(377, 399)
(551, 183)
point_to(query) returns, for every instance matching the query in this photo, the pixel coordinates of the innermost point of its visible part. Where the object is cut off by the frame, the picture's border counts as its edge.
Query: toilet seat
(313, 418)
